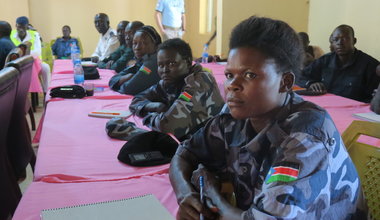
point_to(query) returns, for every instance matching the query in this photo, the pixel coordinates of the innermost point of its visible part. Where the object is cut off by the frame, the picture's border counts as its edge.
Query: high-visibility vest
(17, 42)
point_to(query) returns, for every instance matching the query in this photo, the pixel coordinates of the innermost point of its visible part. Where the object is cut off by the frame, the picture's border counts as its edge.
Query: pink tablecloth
(75, 147)
(35, 85)
(62, 67)
(42, 195)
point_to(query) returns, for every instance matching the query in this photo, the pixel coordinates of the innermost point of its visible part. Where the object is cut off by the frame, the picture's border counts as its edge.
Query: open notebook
(109, 113)
(144, 207)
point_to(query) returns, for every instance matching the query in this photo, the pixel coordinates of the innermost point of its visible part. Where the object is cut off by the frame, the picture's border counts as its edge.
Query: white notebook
(109, 113)
(368, 116)
(144, 207)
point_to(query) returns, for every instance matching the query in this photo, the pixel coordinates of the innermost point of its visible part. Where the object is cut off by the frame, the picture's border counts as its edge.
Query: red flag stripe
(187, 95)
(286, 170)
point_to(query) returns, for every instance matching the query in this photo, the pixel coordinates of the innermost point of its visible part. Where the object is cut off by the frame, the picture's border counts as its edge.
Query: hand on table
(109, 64)
(125, 78)
(317, 87)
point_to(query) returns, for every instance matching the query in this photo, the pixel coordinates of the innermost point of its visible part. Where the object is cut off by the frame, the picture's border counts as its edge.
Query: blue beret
(22, 20)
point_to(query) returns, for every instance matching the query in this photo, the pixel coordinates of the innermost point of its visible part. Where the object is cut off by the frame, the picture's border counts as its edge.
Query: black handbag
(72, 91)
(90, 72)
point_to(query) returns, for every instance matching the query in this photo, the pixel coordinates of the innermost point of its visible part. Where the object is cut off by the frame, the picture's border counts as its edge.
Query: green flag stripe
(280, 177)
(184, 97)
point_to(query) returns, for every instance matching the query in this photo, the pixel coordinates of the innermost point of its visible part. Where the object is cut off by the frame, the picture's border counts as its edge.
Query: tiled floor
(37, 115)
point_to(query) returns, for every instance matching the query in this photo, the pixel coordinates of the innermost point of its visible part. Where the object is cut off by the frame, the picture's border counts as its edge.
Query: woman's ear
(287, 82)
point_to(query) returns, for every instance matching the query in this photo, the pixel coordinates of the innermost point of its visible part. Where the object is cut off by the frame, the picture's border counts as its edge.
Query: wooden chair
(10, 192)
(367, 161)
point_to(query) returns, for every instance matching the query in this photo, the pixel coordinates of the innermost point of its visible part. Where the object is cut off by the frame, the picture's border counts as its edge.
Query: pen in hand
(201, 184)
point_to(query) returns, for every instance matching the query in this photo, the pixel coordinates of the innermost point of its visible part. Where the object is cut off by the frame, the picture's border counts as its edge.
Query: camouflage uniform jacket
(144, 76)
(295, 168)
(190, 105)
(121, 57)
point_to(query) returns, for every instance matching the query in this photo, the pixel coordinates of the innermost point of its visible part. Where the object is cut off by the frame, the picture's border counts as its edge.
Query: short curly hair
(180, 46)
(274, 38)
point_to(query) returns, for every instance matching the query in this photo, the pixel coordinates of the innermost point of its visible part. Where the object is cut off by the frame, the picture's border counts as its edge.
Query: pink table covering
(62, 67)
(75, 147)
(35, 85)
(42, 195)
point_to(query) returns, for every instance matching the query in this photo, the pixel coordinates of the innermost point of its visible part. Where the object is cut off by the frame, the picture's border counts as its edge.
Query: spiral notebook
(144, 207)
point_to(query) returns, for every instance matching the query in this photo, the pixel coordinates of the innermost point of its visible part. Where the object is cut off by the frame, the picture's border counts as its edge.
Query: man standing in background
(108, 41)
(170, 17)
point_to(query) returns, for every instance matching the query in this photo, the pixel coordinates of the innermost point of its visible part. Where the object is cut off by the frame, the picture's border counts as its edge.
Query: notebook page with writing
(144, 207)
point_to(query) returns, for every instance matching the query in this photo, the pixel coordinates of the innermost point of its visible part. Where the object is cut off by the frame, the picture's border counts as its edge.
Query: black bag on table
(72, 91)
(90, 72)
(148, 149)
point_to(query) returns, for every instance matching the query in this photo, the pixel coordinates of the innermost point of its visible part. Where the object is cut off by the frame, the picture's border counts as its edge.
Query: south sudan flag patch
(145, 70)
(185, 96)
(283, 172)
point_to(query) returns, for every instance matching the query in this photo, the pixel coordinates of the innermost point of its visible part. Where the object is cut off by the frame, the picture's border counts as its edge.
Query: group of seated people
(283, 156)
(24, 32)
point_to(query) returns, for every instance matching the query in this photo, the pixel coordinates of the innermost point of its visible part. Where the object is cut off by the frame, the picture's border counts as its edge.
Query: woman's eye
(229, 75)
(249, 75)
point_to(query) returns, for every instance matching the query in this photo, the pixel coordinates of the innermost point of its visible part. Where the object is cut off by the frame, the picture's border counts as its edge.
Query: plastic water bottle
(75, 54)
(205, 54)
(78, 73)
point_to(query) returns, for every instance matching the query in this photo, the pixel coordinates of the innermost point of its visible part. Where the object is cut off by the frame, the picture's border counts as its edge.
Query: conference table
(77, 162)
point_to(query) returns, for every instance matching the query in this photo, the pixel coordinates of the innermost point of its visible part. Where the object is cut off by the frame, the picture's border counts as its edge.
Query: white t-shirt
(171, 11)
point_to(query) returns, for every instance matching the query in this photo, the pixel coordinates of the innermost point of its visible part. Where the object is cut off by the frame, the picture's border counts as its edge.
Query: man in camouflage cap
(184, 99)
(283, 156)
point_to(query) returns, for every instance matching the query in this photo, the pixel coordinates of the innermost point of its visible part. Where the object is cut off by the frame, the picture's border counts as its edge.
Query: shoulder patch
(185, 96)
(284, 172)
(145, 70)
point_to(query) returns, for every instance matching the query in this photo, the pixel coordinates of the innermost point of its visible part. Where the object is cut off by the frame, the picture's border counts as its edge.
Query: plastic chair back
(367, 161)
(10, 192)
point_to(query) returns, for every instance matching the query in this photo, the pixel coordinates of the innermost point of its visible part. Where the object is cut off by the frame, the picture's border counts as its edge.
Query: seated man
(346, 72)
(143, 74)
(6, 44)
(108, 42)
(283, 156)
(375, 103)
(62, 46)
(21, 35)
(108, 63)
(311, 52)
(186, 96)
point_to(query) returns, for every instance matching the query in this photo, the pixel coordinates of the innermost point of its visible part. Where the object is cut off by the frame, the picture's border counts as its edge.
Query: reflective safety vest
(17, 42)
